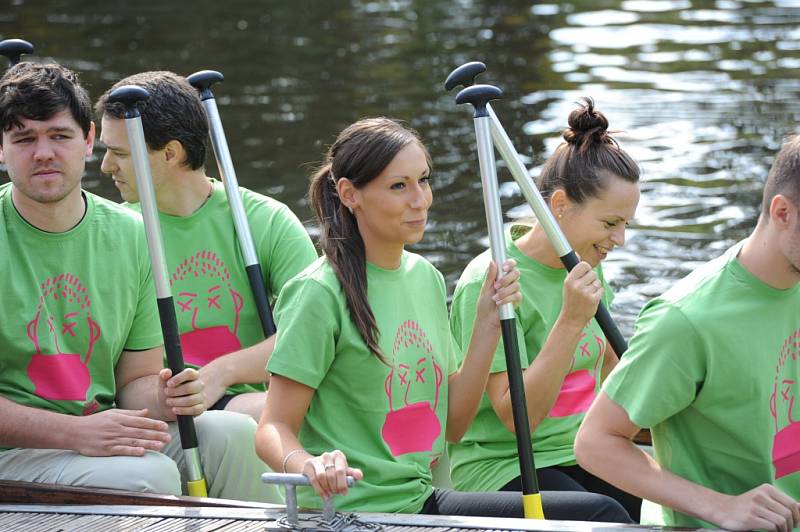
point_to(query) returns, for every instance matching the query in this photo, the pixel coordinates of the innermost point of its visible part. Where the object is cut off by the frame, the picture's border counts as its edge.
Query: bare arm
(544, 377)
(465, 387)
(610, 361)
(108, 433)
(603, 447)
(245, 366)
(34, 428)
(143, 383)
(276, 437)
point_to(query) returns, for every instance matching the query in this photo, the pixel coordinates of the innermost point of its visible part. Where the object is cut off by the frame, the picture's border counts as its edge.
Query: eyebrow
(27, 131)
(111, 146)
(190, 294)
(426, 173)
(70, 315)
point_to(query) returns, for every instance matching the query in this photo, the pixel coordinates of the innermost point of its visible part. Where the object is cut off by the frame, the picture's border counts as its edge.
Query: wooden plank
(12, 491)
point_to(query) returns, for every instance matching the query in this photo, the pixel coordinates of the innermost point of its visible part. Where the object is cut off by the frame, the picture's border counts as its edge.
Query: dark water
(703, 90)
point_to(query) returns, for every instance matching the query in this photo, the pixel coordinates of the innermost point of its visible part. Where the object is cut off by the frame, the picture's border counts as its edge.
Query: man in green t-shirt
(84, 397)
(220, 329)
(714, 369)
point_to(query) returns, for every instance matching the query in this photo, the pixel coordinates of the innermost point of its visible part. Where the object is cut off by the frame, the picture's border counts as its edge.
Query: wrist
(291, 456)
(570, 324)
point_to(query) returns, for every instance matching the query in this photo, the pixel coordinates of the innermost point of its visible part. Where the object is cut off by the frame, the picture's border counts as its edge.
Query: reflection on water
(702, 90)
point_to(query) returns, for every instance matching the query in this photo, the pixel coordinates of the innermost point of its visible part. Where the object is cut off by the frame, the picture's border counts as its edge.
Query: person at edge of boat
(84, 397)
(591, 186)
(714, 369)
(364, 379)
(219, 325)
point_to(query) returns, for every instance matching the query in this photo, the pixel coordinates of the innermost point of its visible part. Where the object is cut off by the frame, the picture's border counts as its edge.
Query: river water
(702, 91)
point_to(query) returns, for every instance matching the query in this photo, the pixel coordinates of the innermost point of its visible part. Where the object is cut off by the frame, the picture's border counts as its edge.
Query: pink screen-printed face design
(202, 288)
(784, 407)
(63, 335)
(412, 389)
(578, 389)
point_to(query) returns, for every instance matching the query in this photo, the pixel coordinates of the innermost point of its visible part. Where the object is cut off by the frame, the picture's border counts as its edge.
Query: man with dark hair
(220, 329)
(84, 397)
(714, 370)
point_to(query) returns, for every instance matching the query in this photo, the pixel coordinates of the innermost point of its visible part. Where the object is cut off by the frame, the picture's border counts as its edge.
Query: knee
(609, 510)
(223, 431)
(152, 473)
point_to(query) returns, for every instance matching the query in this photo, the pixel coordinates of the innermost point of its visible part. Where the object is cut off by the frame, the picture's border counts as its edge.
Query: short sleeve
(310, 318)
(462, 319)
(658, 376)
(145, 332)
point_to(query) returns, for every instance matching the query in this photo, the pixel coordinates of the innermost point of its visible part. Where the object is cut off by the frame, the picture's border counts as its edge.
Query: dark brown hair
(360, 153)
(784, 176)
(172, 112)
(38, 92)
(581, 165)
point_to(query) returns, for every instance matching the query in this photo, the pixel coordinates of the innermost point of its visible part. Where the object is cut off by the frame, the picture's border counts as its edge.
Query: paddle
(202, 81)
(479, 96)
(14, 48)
(130, 97)
(465, 75)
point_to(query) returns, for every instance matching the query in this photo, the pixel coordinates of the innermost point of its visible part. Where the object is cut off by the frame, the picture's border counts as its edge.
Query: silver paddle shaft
(491, 199)
(147, 201)
(228, 175)
(529, 192)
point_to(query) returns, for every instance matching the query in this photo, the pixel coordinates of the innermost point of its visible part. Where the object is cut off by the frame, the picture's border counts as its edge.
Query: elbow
(584, 449)
(453, 434)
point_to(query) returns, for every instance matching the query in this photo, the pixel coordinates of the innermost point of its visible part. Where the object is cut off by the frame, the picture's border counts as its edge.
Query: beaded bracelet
(289, 455)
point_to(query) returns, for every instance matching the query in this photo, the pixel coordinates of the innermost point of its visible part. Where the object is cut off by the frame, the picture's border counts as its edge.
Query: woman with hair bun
(591, 186)
(364, 379)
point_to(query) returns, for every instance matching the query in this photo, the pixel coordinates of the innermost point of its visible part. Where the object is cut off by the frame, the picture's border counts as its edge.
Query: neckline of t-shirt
(525, 261)
(217, 195)
(742, 274)
(375, 269)
(31, 229)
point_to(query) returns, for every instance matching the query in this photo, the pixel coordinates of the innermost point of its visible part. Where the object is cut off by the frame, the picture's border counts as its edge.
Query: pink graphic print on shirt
(578, 389)
(784, 406)
(62, 322)
(202, 285)
(413, 385)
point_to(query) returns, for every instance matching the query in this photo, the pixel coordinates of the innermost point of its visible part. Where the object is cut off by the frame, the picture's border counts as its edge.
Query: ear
(348, 193)
(174, 153)
(782, 211)
(90, 139)
(559, 203)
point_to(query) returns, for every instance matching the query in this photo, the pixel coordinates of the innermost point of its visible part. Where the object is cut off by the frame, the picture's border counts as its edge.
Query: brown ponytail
(581, 165)
(360, 153)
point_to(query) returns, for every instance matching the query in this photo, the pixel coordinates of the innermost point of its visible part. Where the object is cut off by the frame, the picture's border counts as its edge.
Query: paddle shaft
(494, 220)
(245, 237)
(546, 220)
(166, 309)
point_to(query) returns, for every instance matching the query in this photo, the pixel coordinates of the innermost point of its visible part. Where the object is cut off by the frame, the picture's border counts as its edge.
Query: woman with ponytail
(364, 379)
(591, 186)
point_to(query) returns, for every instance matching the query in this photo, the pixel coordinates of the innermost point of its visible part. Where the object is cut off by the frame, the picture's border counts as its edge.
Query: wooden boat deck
(31, 507)
(93, 518)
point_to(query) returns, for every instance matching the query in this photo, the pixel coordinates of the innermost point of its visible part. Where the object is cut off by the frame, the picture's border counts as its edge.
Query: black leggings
(559, 505)
(575, 478)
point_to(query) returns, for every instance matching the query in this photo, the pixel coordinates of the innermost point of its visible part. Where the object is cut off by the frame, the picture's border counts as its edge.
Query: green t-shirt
(73, 302)
(713, 369)
(486, 457)
(388, 418)
(213, 300)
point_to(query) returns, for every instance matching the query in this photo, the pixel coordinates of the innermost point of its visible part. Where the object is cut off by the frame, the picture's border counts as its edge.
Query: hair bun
(587, 126)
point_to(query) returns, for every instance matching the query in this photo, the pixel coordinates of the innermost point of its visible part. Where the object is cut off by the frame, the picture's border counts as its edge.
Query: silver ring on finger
(329, 466)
